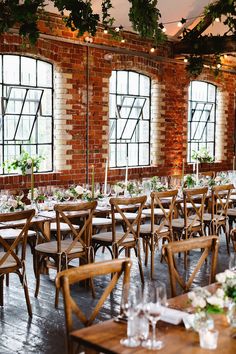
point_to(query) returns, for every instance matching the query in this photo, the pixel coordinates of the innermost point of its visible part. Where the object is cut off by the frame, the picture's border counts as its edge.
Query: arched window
(129, 113)
(26, 112)
(201, 117)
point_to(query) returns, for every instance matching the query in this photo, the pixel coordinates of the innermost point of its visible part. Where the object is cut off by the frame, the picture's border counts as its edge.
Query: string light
(118, 29)
(123, 40)
(88, 39)
(162, 27)
(185, 60)
(181, 22)
(152, 50)
(217, 19)
(105, 30)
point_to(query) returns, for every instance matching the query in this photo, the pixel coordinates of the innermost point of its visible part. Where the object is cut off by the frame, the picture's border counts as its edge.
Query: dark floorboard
(44, 334)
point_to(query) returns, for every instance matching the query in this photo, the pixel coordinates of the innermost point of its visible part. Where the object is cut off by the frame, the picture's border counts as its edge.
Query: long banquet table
(105, 337)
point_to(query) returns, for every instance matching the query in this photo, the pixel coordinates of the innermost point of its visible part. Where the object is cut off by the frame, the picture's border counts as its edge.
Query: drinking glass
(232, 261)
(154, 298)
(131, 306)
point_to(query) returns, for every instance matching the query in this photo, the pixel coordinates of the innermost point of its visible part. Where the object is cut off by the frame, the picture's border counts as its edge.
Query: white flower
(29, 161)
(199, 302)
(220, 293)
(12, 203)
(89, 193)
(118, 189)
(215, 301)
(221, 277)
(79, 190)
(229, 273)
(97, 193)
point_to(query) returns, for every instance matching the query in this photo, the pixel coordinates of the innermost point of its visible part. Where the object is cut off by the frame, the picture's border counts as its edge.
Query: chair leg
(37, 275)
(7, 280)
(23, 281)
(139, 262)
(152, 256)
(1, 289)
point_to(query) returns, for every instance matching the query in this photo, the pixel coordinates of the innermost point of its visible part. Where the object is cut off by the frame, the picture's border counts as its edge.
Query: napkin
(174, 316)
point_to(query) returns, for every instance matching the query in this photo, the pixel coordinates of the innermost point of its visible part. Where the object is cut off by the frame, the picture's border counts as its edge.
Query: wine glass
(232, 261)
(131, 306)
(154, 299)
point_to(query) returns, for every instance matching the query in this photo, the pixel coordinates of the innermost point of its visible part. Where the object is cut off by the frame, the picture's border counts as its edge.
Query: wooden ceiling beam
(206, 45)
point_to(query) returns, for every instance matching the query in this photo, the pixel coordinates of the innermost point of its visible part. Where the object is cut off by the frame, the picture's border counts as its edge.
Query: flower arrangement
(13, 204)
(119, 188)
(133, 188)
(207, 181)
(156, 185)
(75, 192)
(202, 155)
(202, 300)
(189, 181)
(37, 196)
(227, 279)
(25, 163)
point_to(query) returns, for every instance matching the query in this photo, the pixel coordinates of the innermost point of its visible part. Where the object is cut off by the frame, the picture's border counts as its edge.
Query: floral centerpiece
(119, 188)
(202, 155)
(156, 185)
(227, 279)
(202, 300)
(133, 188)
(26, 164)
(75, 192)
(189, 181)
(13, 204)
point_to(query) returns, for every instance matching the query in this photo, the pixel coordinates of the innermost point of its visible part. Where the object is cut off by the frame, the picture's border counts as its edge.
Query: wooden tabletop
(105, 337)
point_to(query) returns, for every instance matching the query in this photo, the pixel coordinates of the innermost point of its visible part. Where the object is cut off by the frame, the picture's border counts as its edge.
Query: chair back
(71, 276)
(208, 244)
(64, 213)
(130, 227)
(196, 197)
(220, 200)
(159, 199)
(23, 217)
(208, 174)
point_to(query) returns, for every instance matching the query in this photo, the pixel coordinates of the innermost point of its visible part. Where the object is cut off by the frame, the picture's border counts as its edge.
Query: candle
(197, 172)
(92, 181)
(183, 169)
(105, 182)
(32, 180)
(234, 162)
(126, 172)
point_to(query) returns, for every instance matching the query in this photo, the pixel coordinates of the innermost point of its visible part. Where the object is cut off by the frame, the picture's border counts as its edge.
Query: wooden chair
(118, 241)
(152, 233)
(192, 223)
(58, 254)
(208, 244)
(10, 261)
(71, 276)
(208, 174)
(218, 217)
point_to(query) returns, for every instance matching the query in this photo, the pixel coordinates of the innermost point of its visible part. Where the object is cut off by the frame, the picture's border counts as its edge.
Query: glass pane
(146, 110)
(129, 129)
(46, 103)
(133, 154)
(44, 74)
(144, 154)
(133, 83)
(143, 131)
(122, 82)
(112, 129)
(44, 129)
(121, 155)
(10, 123)
(199, 131)
(112, 106)
(120, 127)
(15, 100)
(32, 101)
(144, 85)
(112, 155)
(211, 93)
(24, 128)
(11, 152)
(210, 132)
(28, 71)
(199, 91)
(44, 150)
(1, 161)
(113, 82)
(11, 66)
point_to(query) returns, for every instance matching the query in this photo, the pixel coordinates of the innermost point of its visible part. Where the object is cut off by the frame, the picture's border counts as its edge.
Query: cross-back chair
(117, 241)
(58, 254)
(152, 233)
(208, 244)
(218, 217)
(12, 261)
(69, 277)
(192, 222)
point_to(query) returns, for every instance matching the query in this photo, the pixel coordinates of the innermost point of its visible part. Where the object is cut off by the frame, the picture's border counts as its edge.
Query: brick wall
(71, 59)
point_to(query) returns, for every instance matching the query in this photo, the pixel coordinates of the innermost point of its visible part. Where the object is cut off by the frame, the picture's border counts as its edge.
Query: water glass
(208, 338)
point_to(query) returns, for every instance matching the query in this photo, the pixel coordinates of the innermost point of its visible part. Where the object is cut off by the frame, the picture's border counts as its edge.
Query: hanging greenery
(144, 16)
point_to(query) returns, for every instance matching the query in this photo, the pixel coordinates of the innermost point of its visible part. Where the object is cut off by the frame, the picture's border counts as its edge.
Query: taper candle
(92, 181)
(106, 173)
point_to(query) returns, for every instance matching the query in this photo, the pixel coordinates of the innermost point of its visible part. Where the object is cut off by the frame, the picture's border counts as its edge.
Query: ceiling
(171, 11)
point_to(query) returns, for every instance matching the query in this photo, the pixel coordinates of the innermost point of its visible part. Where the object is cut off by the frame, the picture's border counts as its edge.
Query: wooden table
(105, 337)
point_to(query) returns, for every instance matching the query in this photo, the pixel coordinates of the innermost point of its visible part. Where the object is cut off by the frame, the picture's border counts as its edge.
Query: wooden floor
(45, 332)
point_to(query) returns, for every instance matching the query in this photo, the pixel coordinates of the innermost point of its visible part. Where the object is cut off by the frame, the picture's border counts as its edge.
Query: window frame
(206, 142)
(128, 142)
(36, 86)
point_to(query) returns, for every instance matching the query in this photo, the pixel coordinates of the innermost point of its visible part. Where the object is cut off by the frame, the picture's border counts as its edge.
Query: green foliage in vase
(24, 162)
(189, 181)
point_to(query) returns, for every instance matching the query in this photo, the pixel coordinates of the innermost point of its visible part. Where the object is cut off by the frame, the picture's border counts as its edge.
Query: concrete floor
(44, 334)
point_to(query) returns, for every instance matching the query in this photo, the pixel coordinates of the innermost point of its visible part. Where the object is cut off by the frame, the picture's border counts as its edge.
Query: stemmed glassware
(131, 306)
(232, 261)
(154, 300)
